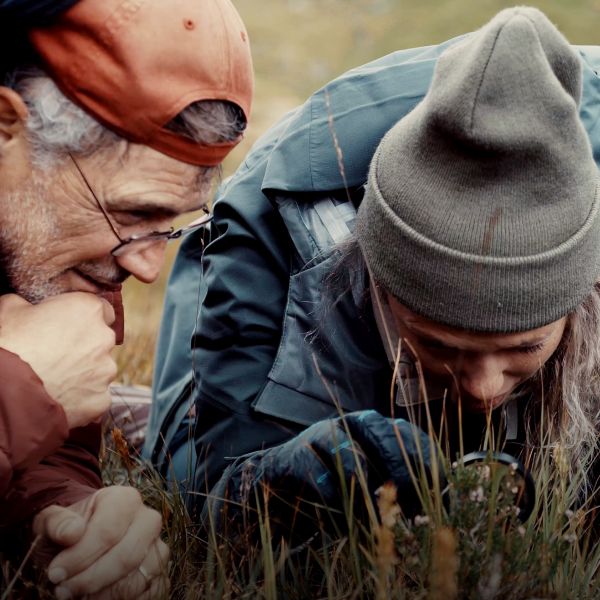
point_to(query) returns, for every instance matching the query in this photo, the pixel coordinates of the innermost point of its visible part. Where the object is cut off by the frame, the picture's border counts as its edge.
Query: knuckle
(83, 300)
(154, 520)
(164, 553)
(9, 303)
(10, 300)
(108, 335)
(129, 561)
(131, 495)
(120, 493)
(106, 341)
(112, 369)
(102, 404)
(127, 497)
(109, 537)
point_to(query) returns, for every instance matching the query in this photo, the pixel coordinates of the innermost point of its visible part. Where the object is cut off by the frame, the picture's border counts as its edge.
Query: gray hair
(569, 390)
(56, 126)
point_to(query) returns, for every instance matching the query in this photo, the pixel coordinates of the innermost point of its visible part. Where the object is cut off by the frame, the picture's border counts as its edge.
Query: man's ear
(13, 115)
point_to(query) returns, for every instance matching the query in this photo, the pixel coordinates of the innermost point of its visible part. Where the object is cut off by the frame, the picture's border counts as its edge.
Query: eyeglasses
(139, 242)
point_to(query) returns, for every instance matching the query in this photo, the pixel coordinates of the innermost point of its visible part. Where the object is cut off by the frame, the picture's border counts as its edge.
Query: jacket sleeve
(41, 462)
(245, 273)
(68, 475)
(32, 425)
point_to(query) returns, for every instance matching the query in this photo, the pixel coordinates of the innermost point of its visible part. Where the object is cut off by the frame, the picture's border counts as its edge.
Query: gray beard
(28, 221)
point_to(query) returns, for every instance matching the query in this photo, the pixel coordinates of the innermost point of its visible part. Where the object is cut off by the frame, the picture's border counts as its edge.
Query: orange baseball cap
(136, 64)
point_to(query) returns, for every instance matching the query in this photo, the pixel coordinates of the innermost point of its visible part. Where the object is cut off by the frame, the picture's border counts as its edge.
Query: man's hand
(113, 549)
(67, 341)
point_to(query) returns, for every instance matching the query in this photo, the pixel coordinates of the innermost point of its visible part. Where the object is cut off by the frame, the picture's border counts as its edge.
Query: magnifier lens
(506, 468)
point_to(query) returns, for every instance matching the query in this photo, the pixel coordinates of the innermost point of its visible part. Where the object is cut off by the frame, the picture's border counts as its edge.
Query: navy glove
(315, 469)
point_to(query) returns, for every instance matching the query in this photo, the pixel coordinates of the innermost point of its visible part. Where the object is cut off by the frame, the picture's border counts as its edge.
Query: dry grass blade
(443, 583)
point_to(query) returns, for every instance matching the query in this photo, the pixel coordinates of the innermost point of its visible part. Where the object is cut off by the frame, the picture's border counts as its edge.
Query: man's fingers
(108, 311)
(9, 302)
(114, 511)
(79, 299)
(124, 558)
(141, 579)
(61, 525)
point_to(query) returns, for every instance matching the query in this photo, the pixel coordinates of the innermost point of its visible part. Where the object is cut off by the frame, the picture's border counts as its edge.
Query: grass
(466, 542)
(478, 548)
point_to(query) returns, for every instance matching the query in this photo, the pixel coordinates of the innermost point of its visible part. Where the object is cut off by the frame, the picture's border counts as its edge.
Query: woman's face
(482, 368)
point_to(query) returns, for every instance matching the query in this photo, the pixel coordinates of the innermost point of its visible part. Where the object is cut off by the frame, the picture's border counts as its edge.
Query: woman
(480, 232)
(480, 225)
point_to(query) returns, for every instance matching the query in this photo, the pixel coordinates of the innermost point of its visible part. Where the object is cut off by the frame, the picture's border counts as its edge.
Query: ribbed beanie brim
(481, 207)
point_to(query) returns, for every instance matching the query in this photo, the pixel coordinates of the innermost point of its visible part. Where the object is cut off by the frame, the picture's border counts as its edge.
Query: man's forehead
(137, 164)
(138, 178)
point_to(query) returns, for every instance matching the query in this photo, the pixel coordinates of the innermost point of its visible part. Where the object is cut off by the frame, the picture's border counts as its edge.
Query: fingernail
(63, 593)
(57, 574)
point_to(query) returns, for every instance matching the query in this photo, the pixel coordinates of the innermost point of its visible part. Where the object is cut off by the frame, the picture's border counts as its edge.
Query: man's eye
(132, 217)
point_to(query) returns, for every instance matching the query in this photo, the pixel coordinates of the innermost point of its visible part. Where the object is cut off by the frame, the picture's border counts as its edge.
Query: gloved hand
(316, 468)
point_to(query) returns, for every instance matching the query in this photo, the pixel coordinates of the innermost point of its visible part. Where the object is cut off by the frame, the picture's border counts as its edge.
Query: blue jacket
(248, 303)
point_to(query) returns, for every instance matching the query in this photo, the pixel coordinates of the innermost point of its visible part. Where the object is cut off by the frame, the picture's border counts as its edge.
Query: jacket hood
(327, 143)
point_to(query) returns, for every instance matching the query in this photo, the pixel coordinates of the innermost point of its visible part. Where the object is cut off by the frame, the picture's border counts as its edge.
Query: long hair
(568, 385)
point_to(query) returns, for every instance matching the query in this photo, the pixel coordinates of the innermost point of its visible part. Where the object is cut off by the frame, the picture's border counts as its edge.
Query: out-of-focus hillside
(299, 45)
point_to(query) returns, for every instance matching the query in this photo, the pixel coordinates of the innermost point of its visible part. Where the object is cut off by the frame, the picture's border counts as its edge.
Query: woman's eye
(531, 349)
(435, 346)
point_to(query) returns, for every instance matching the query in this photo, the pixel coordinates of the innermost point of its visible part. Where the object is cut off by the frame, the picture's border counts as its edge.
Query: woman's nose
(482, 377)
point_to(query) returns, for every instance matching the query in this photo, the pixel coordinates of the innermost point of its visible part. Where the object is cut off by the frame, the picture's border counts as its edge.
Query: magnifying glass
(506, 464)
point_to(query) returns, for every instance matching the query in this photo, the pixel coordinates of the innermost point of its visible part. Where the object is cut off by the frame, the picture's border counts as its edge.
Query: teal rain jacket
(235, 350)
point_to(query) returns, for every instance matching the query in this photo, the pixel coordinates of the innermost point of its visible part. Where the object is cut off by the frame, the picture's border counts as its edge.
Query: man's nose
(144, 263)
(482, 376)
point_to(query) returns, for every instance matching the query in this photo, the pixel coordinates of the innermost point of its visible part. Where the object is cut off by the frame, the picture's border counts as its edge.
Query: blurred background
(298, 46)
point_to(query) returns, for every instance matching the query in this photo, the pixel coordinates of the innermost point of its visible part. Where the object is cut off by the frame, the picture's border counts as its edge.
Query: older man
(115, 129)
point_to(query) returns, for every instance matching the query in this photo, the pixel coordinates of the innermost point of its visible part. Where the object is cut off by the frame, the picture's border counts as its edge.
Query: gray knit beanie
(481, 208)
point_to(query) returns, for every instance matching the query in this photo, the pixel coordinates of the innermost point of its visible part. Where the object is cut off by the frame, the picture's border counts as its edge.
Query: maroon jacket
(41, 462)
